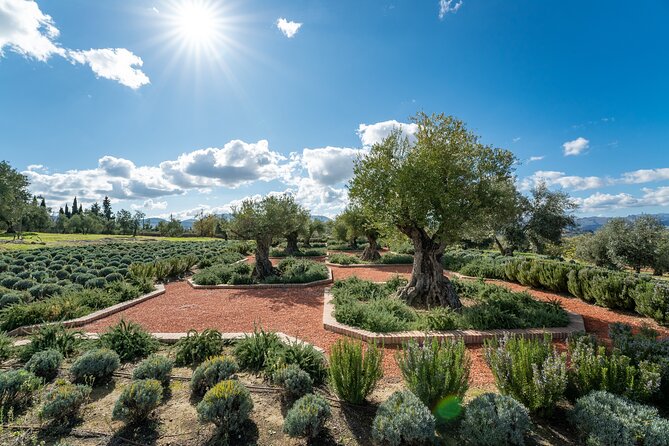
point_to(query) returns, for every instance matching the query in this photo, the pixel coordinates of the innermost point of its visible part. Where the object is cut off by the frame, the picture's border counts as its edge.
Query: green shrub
(258, 350)
(228, 405)
(395, 259)
(95, 366)
(138, 400)
(6, 346)
(196, 347)
(353, 373)
(295, 381)
(441, 319)
(129, 340)
(652, 300)
(293, 270)
(211, 372)
(403, 420)
(307, 417)
(344, 259)
(592, 368)
(52, 337)
(434, 370)
(608, 420)
(63, 401)
(306, 357)
(495, 420)
(45, 364)
(531, 371)
(16, 390)
(156, 367)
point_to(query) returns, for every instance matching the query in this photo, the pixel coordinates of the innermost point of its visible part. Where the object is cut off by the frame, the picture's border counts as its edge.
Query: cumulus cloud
(117, 64)
(288, 28)
(151, 205)
(598, 201)
(371, 134)
(448, 6)
(233, 165)
(27, 31)
(575, 147)
(329, 165)
(646, 175)
(116, 167)
(554, 178)
(535, 158)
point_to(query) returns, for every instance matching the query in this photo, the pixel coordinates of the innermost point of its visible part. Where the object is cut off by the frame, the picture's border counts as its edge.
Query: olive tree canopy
(434, 190)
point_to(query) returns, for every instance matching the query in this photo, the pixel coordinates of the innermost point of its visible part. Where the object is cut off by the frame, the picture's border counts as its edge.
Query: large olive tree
(14, 197)
(263, 220)
(296, 221)
(434, 191)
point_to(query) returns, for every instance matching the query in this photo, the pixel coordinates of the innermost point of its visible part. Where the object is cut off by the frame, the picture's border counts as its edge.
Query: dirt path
(299, 312)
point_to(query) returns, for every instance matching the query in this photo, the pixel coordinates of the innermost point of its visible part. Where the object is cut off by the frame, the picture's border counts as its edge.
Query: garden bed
(354, 261)
(328, 280)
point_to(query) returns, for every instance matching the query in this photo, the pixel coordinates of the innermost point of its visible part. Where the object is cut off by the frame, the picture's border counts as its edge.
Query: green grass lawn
(34, 240)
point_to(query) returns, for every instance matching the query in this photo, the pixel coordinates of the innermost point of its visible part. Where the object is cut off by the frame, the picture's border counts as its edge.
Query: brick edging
(262, 286)
(575, 325)
(172, 338)
(83, 320)
(368, 265)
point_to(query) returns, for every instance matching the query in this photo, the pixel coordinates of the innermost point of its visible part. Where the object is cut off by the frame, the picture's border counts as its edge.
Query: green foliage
(95, 366)
(307, 358)
(604, 419)
(137, 401)
(592, 368)
(211, 372)
(228, 405)
(156, 367)
(310, 252)
(295, 381)
(45, 364)
(6, 347)
(293, 270)
(495, 420)
(307, 417)
(403, 420)
(531, 371)
(63, 401)
(353, 371)
(16, 390)
(51, 337)
(434, 370)
(652, 300)
(196, 347)
(258, 350)
(289, 270)
(344, 259)
(129, 340)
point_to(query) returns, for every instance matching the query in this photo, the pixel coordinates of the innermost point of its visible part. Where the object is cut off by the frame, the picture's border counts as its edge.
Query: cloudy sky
(178, 106)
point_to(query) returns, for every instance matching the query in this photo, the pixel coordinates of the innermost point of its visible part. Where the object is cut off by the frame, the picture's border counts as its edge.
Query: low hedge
(607, 288)
(385, 259)
(289, 270)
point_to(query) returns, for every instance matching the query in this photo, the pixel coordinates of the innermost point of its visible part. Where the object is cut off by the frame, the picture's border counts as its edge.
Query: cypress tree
(107, 209)
(67, 211)
(43, 203)
(75, 206)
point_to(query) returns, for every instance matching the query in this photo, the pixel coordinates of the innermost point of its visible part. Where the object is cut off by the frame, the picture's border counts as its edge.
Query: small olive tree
(296, 224)
(353, 223)
(434, 191)
(264, 220)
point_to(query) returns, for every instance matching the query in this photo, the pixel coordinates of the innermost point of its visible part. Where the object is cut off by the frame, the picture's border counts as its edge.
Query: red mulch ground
(299, 313)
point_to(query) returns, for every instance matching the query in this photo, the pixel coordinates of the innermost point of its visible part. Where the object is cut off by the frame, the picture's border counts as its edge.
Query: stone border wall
(262, 286)
(83, 320)
(576, 325)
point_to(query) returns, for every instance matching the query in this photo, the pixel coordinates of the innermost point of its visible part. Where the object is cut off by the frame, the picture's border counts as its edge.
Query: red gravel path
(299, 313)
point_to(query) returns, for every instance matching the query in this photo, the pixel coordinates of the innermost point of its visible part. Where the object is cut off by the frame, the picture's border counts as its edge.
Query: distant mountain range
(591, 224)
(188, 224)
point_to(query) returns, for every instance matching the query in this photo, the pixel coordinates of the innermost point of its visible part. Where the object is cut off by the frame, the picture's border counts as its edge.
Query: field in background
(33, 240)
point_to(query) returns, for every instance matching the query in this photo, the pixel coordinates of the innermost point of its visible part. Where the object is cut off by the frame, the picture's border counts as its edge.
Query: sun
(196, 21)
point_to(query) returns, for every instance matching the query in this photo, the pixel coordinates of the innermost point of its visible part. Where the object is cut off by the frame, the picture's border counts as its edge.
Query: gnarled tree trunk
(291, 244)
(263, 266)
(371, 252)
(428, 287)
(502, 250)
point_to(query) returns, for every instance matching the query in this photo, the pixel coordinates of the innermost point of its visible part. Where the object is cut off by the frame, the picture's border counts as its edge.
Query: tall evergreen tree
(81, 210)
(75, 207)
(43, 203)
(61, 211)
(95, 209)
(67, 211)
(107, 209)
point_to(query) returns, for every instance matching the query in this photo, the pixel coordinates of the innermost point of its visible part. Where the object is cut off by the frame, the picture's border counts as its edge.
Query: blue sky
(187, 105)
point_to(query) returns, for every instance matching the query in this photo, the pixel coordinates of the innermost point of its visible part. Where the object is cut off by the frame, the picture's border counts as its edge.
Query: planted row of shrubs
(375, 307)
(385, 259)
(289, 270)
(607, 288)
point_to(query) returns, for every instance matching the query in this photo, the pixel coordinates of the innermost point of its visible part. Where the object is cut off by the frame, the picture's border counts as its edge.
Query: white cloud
(117, 64)
(288, 28)
(516, 139)
(598, 201)
(448, 6)
(553, 178)
(329, 165)
(646, 175)
(371, 134)
(235, 164)
(151, 205)
(575, 147)
(535, 158)
(116, 167)
(26, 30)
